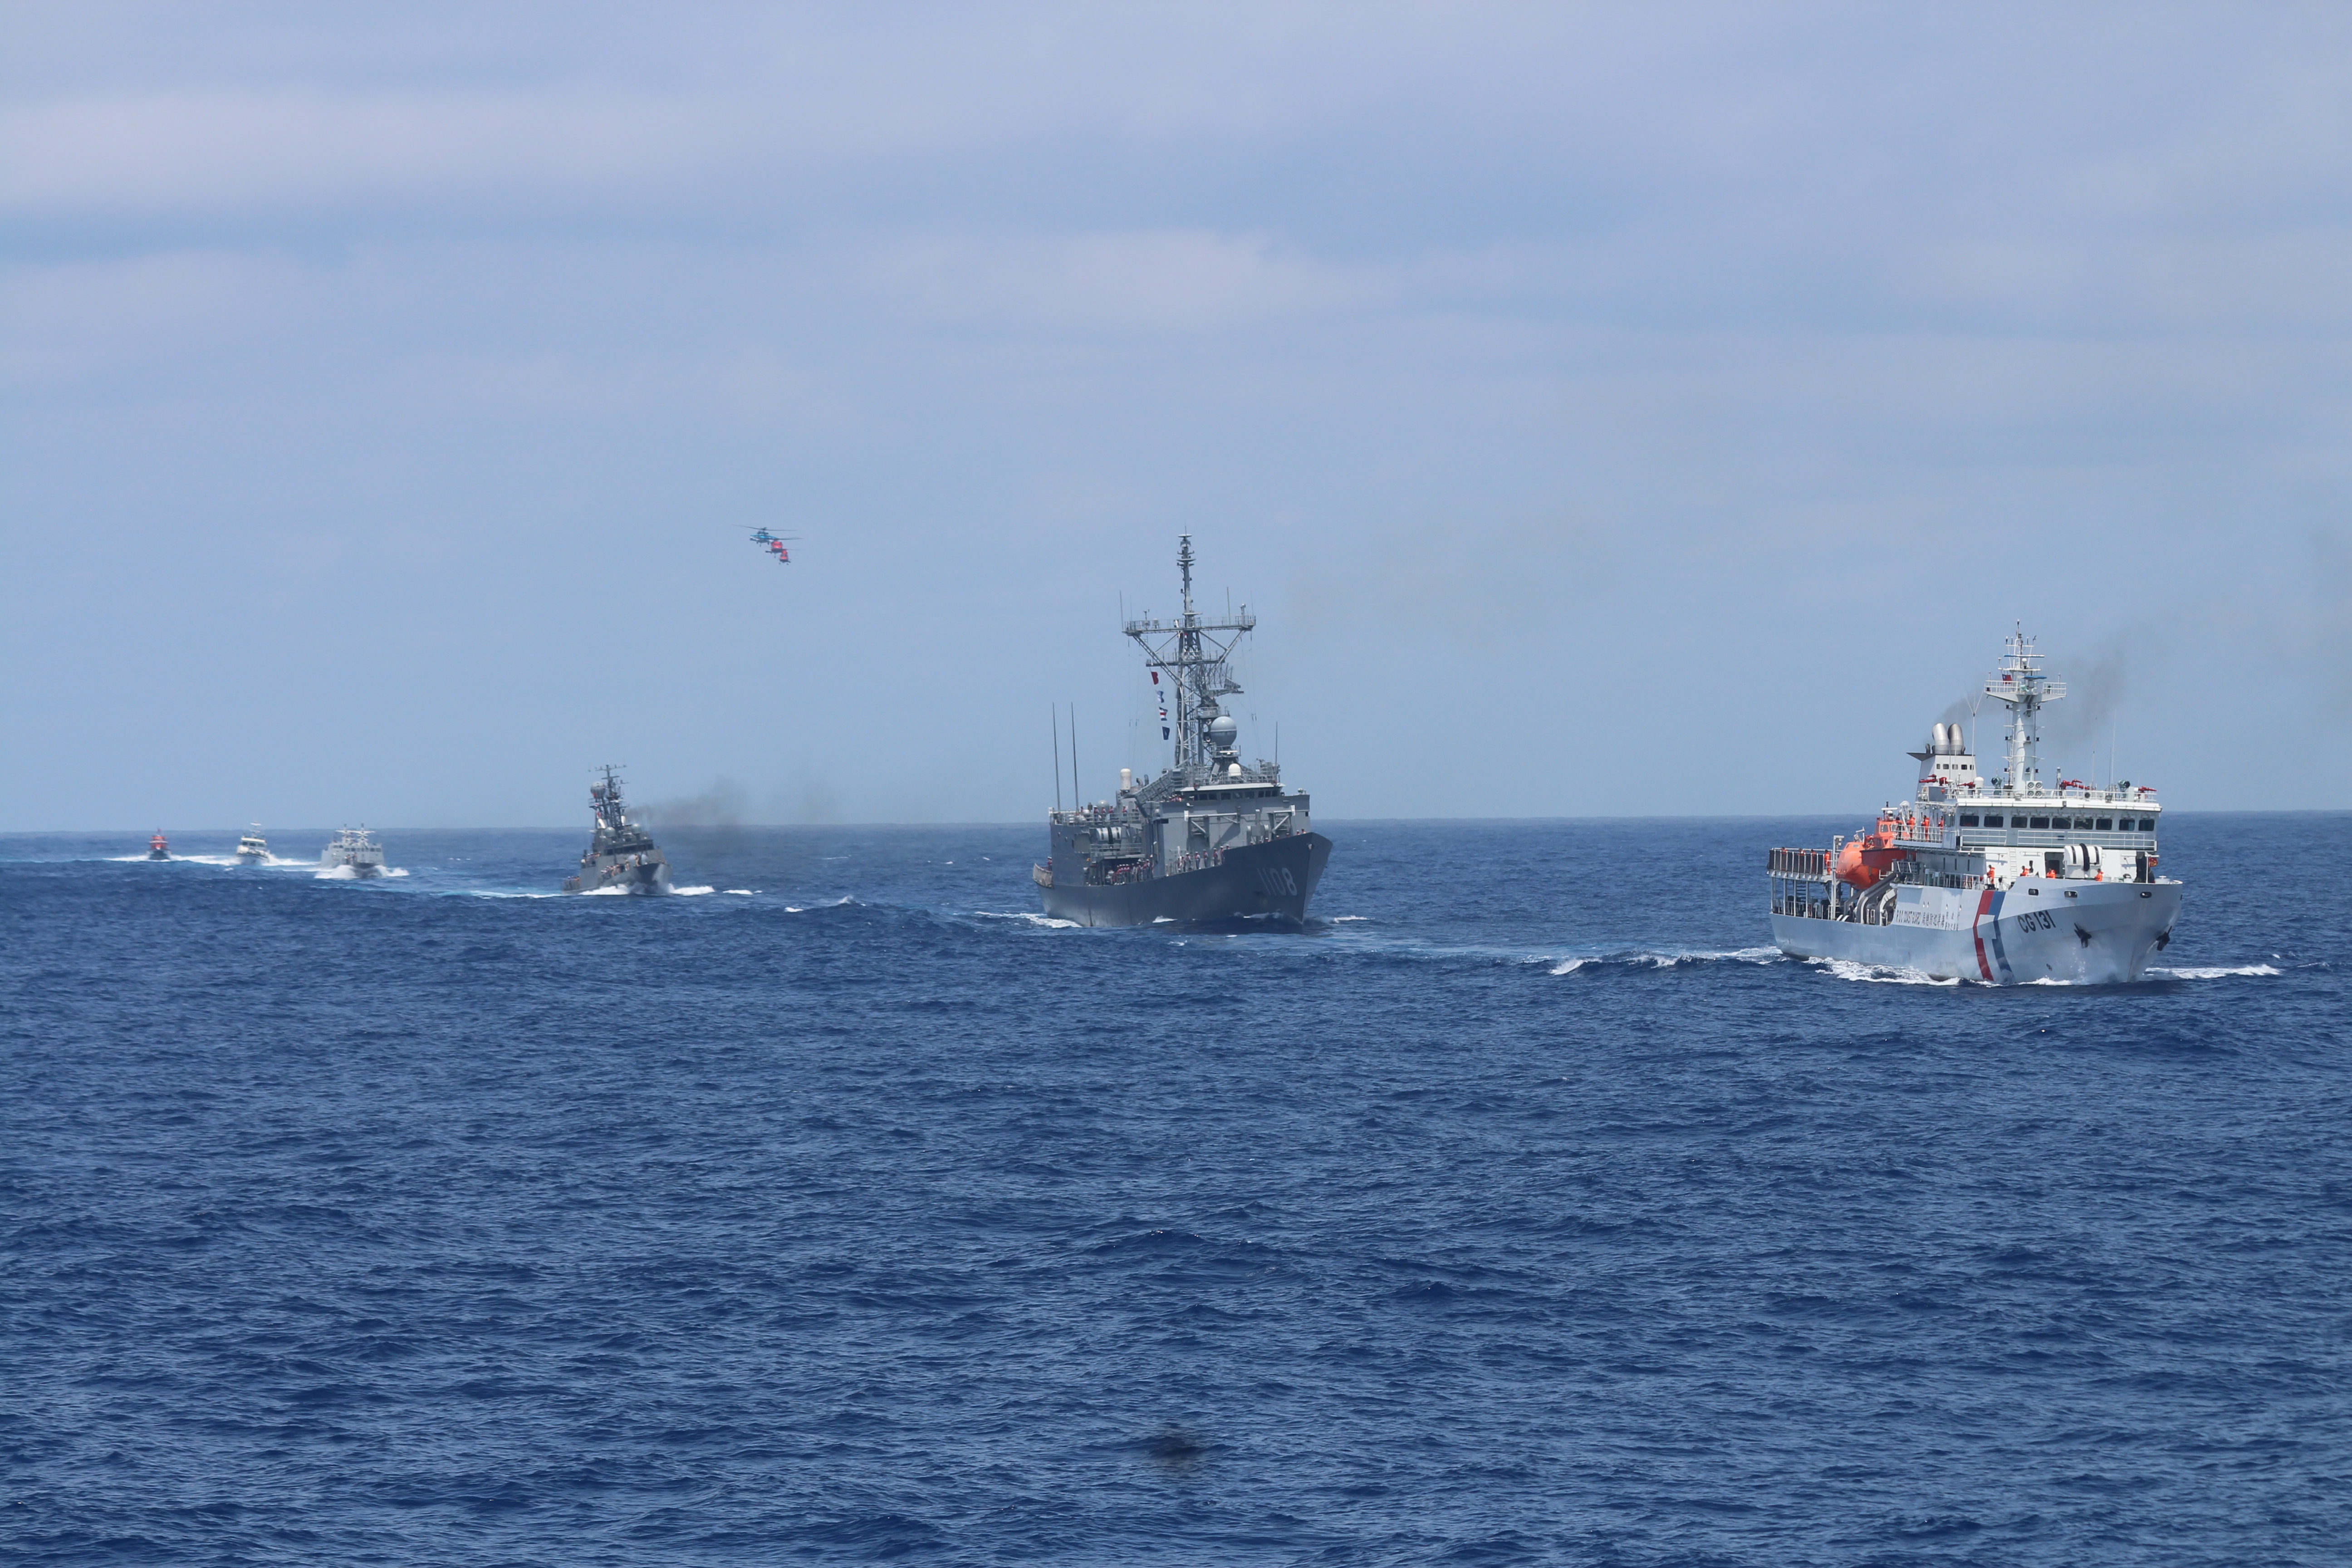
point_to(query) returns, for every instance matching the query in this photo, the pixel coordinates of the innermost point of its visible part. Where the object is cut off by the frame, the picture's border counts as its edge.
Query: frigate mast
(1193, 652)
(2020, 683)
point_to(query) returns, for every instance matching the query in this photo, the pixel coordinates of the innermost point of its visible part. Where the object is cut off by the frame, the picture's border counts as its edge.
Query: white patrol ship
(2000, 881)
(351, 849)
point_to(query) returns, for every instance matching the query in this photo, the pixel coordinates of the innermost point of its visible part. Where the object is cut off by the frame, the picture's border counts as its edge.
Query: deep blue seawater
(1526, 1208)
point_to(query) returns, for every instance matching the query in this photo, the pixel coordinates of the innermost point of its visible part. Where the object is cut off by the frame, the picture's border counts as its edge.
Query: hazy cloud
(1601, 386)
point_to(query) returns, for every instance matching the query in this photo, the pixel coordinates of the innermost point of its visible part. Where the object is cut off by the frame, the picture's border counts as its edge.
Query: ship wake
(1879, 973)
(1663, 958)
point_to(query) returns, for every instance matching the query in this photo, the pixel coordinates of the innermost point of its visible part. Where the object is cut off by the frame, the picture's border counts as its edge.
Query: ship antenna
(1193, 653)
(1057, 758)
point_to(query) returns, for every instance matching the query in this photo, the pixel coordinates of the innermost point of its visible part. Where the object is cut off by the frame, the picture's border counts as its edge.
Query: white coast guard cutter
(1998, 881)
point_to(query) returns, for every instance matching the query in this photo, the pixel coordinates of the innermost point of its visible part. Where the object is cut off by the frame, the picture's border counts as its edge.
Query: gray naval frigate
(622, 856)
(1212, 838)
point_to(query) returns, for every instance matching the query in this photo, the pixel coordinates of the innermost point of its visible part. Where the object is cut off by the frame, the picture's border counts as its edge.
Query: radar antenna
(1194, 653)
(604, 799)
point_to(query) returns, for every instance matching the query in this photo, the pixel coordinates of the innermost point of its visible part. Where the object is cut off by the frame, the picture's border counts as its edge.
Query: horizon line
(1336, 822)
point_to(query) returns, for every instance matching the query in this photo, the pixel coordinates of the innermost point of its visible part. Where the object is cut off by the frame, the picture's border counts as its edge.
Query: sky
(1610, 410)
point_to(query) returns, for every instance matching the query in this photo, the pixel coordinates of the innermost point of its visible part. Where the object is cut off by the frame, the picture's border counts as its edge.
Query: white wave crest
(602, 893)
(1029, 915)
(744, 892)
(1343, 919)
(225, 860)
(692, 892)
(1880, 973)
(2215, 973)
(1648, 958)
(350, 874)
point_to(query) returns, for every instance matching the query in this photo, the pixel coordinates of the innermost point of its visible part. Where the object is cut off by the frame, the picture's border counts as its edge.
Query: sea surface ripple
(1527, 1207)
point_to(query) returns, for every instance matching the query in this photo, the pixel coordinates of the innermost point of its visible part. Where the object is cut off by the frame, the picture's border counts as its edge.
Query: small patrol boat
(253, 846)
(2002, 882)
(158, 847)
(353, 847)
(622, 856)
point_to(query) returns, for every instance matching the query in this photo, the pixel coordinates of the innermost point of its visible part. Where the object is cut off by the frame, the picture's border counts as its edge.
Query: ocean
(1526, 1208)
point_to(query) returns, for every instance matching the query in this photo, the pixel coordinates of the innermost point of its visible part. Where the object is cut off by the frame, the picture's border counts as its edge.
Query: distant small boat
(253, 846)
(354, 848)
(157, 849)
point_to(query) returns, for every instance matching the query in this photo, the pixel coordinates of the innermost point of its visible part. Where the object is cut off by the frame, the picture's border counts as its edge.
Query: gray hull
(646, 873)
(2078, 933)
(1274, 880)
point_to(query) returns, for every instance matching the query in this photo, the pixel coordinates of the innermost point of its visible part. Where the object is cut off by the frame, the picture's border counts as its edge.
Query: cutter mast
(2020, 683)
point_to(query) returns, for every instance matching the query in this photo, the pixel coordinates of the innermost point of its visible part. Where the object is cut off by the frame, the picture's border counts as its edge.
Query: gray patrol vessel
(622, 856)
(1212, 838)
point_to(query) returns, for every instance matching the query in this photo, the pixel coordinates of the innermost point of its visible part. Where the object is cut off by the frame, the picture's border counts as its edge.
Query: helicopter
(775, 543)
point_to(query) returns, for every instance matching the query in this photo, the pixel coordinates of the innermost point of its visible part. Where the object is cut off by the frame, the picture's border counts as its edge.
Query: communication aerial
(774, 543)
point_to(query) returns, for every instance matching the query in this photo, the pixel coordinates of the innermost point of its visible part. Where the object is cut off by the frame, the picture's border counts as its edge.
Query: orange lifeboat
(1866, 859)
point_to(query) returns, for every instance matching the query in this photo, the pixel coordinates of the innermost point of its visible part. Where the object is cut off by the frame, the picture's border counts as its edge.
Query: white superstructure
(351, 849)
(2000, 880)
